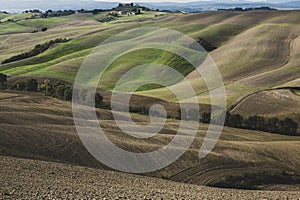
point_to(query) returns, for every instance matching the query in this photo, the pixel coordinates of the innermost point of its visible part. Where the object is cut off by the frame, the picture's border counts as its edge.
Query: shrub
(99, 101)
(3, 81)
(205, 117)
(67, 94)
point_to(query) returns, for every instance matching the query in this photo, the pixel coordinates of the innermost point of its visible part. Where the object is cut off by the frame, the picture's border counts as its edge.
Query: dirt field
(29, 179)
(41, 128)
(274, 103)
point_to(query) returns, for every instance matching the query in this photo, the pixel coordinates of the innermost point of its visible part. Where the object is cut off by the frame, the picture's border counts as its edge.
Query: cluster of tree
(39, 48)
(32, 11)
(273, 125)
(247, 9)
(87, 96)
(95, 11)
(42, 29)
(106, 19)
(59, 13)
(56, 90)
(28, 85)
(130, 7)
(64, 92)
(143, 110)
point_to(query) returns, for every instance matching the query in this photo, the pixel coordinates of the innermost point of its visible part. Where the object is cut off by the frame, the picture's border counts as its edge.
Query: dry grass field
(31, 179)
(37, 127)
(273, 103)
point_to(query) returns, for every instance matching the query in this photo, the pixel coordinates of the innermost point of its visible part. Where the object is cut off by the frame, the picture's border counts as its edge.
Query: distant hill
(208, 5)
(10, 6)
(171, 6)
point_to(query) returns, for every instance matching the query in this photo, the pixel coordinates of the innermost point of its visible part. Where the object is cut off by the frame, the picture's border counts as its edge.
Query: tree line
(61, 91)
(285, 126)
(39, 48)
(54, 89)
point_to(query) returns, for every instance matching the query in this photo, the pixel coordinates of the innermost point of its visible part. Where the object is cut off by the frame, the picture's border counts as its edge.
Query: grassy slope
(264, 55)
(251, 47)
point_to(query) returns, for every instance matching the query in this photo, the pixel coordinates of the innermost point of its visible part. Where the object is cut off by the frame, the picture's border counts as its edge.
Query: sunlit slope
(271, 103)
(264, 56)
(255, 50)
(87, 33)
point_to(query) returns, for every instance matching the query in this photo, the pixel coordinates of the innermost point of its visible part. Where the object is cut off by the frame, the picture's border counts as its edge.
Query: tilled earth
(31, 179)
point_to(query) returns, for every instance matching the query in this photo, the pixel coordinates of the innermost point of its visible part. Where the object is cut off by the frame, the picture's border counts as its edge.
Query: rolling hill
(42, 128)
(257, 53)
(54, 180)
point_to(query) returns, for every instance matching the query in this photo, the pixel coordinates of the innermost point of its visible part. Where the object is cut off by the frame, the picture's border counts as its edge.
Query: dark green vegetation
(273, 125)
(3, 81)
(286, 126)
(256, 180)
(57, 90)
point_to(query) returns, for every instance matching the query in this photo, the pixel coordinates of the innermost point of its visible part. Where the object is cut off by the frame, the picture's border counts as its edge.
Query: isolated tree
(49, 88)
(205, 117)
(3, 81)
(67, 94)
(288, 126)
(32, 85)
(20, 85)
(99, 101)
(235, 120)
(274, 125)
(59, 90)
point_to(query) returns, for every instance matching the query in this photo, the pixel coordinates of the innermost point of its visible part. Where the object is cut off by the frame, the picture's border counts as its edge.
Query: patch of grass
(219, 33)
(141, 57)
(13, 28)
(41, 23)
(6, 17)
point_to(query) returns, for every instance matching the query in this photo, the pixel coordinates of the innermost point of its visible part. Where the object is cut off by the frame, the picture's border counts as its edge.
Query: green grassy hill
(256, 50)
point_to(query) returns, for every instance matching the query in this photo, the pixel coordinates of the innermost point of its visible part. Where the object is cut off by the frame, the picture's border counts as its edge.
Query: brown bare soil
(30, 179)
(273, 103)
(41, 128)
